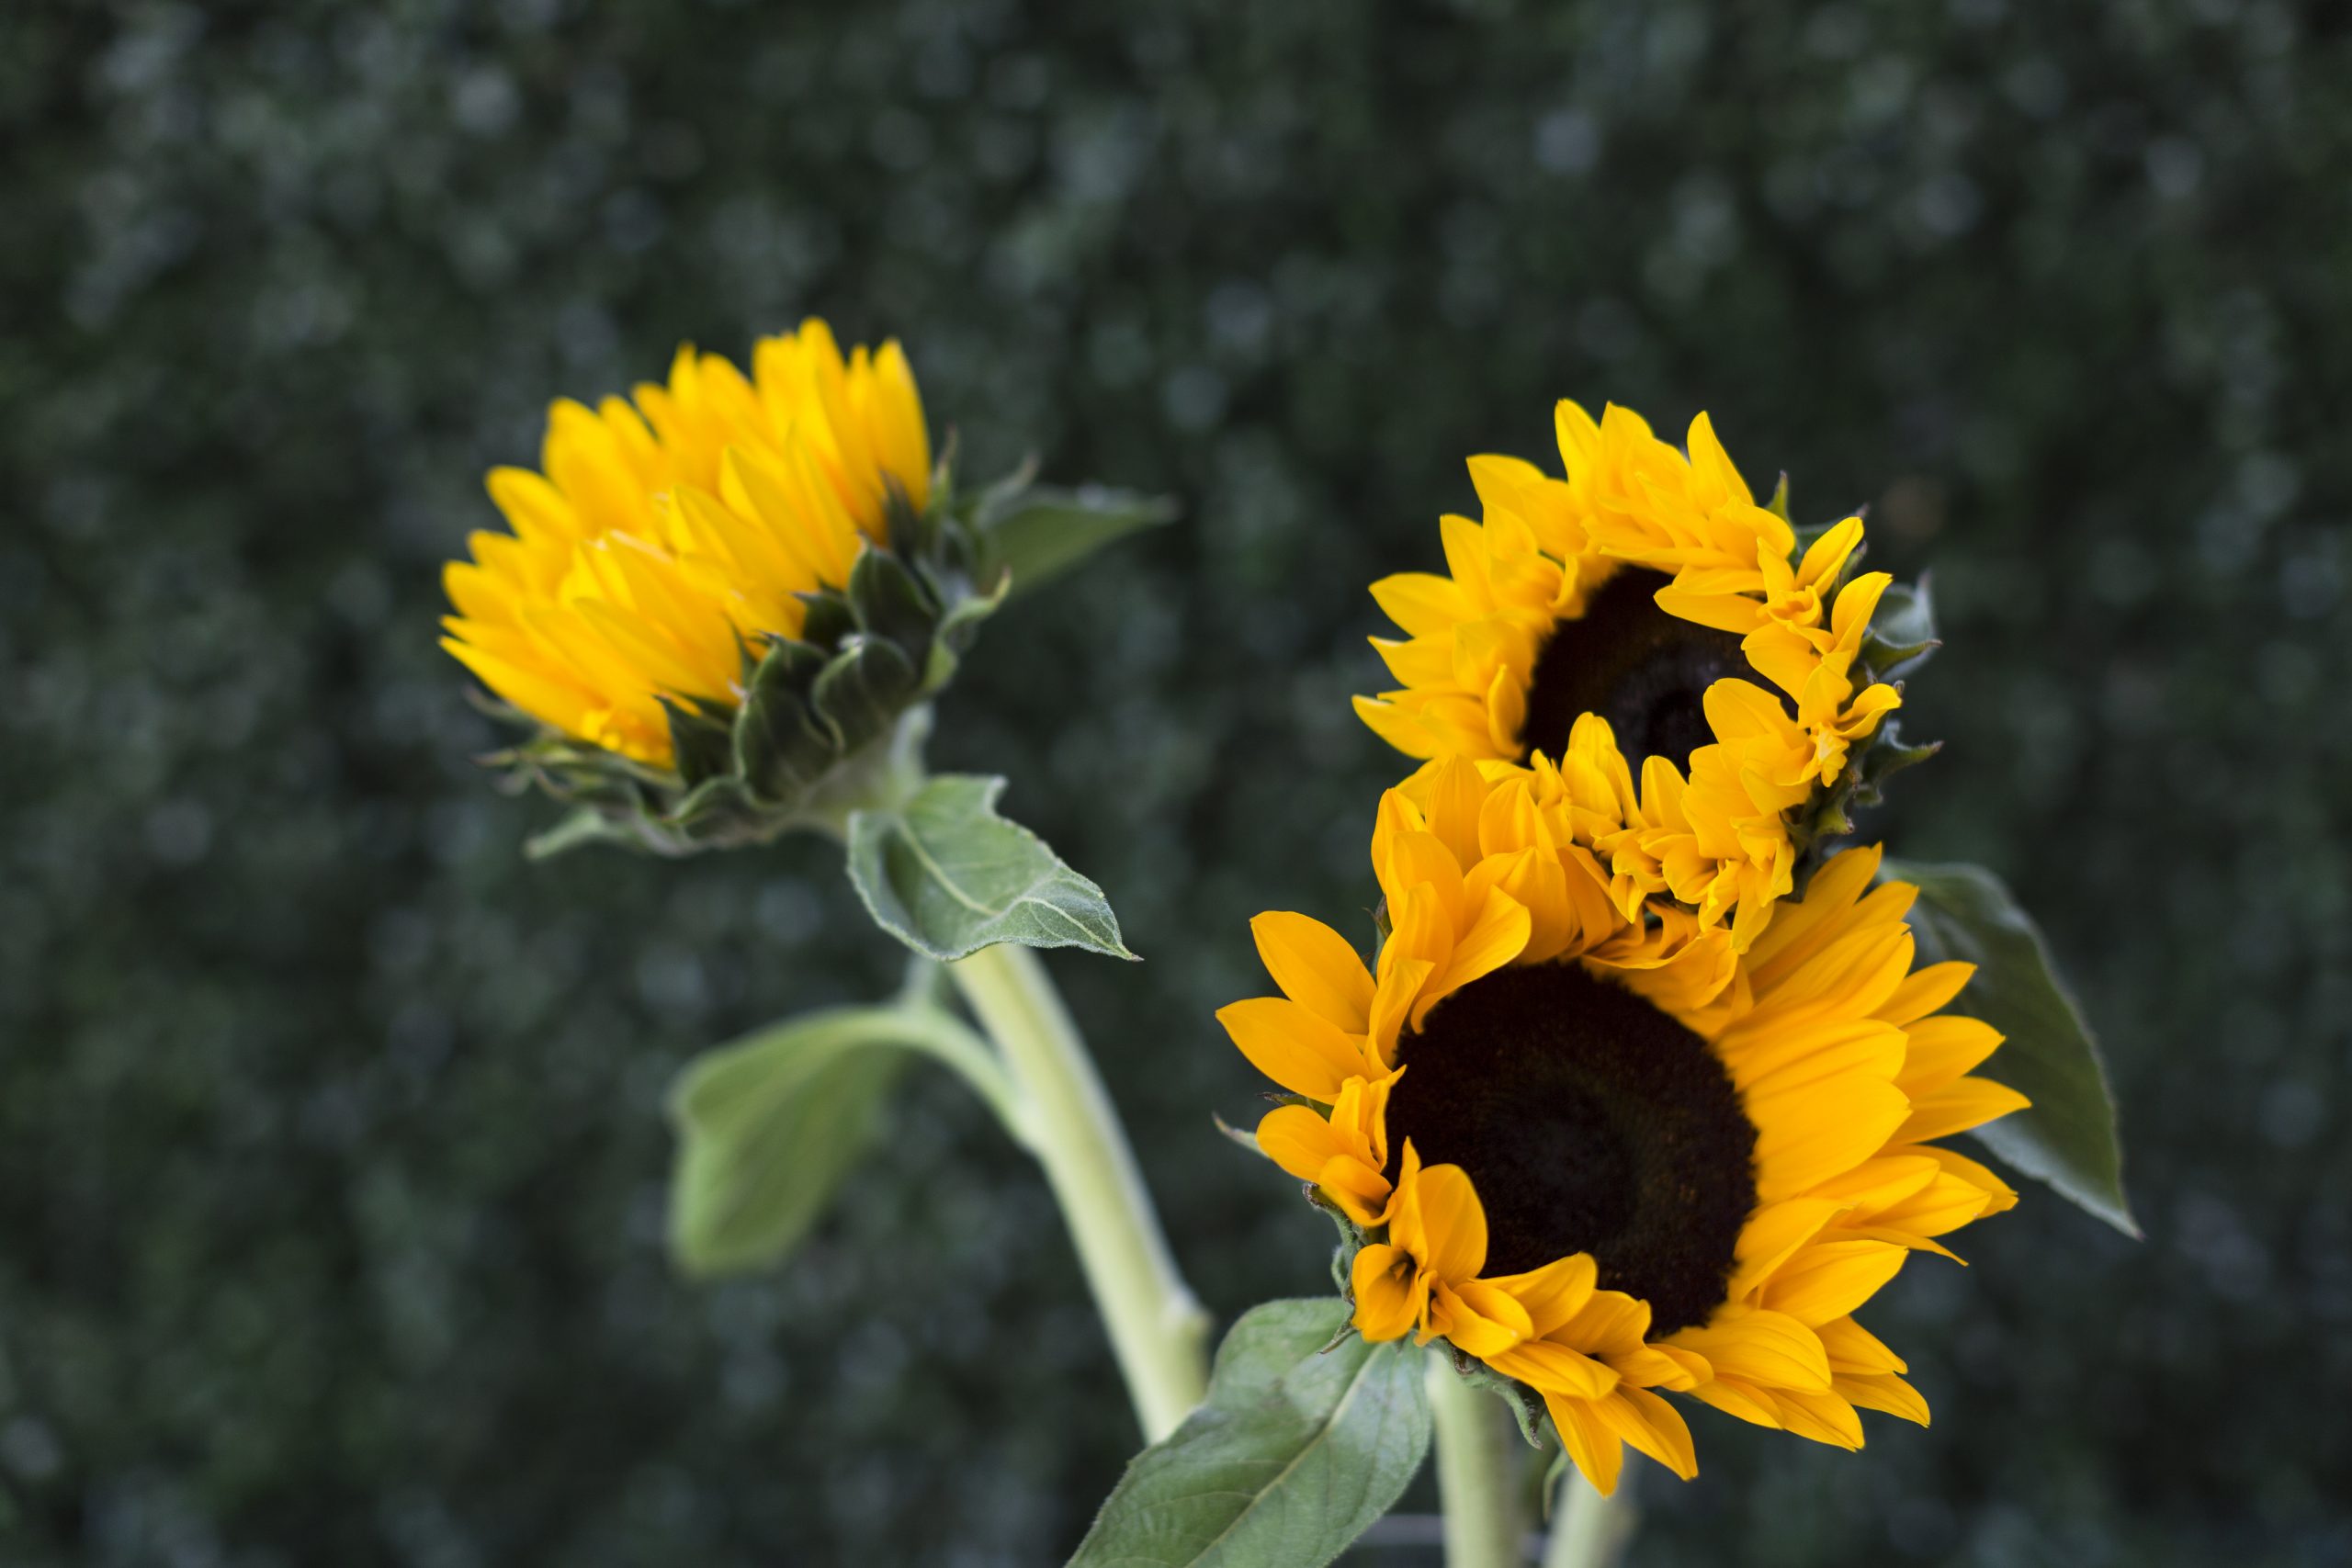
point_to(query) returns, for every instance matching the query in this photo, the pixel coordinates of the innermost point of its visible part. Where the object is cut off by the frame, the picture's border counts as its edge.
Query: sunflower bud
(725, 601)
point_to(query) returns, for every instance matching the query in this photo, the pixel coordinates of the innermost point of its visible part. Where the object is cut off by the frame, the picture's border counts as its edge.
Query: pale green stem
(1157, 1331)
(1479, 1462)
(945, 1038)
(1588, 1529)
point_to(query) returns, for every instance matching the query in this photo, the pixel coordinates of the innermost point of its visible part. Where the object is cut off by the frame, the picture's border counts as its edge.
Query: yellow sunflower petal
(1452, 1239)
(1476, 1318)
(1555, 1368)
(1926, 990)
(1296, 1047)
(1768, 1348)
(1554, 1293)
(1940, 1050)
(1391, 1293)
(1813, 1131)
(1957, 1107)
(1853, 1348)
(1829, 1278)
(1652, 1425)
(1599, 1453)
(1498, 935)
(1736, 1397)
(1316, 967)
(1883, 1390)
(1297, 1140)
(1819, 1414)
(1772, 1236)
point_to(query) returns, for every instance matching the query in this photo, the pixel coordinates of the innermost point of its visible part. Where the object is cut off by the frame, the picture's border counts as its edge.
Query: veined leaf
(2067, 1138)
(1295, 1451)
(946, 875)
(769, 1127)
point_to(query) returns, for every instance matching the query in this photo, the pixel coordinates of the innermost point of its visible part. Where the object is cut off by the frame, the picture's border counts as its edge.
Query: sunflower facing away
(1608, 1160)
(660, 534)
(1731, 661)
(717, 590)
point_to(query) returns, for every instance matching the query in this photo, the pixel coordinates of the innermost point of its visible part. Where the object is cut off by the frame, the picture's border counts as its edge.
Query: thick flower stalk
(1604, 1164)
(1733, 659)
(722, 607)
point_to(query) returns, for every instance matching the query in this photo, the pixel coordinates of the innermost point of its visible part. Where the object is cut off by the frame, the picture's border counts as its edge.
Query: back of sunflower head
(723, 602)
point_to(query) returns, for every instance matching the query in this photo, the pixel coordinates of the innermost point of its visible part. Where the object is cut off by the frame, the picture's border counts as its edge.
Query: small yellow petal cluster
(1838, 1049)
(1473, 637)
(663, 532)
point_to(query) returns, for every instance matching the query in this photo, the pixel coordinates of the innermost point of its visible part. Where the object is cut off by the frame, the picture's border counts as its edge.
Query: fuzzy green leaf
(946, 875)
(2067, 1138)
(767, 1128)
(1294, 1453)
(1041, 532)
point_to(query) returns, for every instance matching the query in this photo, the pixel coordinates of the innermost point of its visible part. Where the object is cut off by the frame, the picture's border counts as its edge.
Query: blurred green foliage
(331, 1165)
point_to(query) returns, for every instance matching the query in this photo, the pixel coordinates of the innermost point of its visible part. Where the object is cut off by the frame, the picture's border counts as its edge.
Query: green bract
(1900, 638)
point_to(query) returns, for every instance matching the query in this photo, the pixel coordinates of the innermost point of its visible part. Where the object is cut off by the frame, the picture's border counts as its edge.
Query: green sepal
(1902, 631)
(864, 688)
(888, 603)
(585, 826)
(797, 663)
(1778, 506)
(1884, 756)
(1554, 1473)
(705, 747)
(906, 529)
(1526, 1405)
(962, 624)
(957, 629)
(717, 809)
(1238, 1136)
(1900, 638)
(781, 746)
(827, 618)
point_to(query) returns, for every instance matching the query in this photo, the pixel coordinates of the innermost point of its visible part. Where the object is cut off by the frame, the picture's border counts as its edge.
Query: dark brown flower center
(1644, 671)
(1590, 1122)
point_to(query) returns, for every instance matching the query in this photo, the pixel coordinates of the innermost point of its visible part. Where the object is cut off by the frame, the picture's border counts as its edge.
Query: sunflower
(1648, 588)
(725, 599)
(664, 533)
(1605, 1159)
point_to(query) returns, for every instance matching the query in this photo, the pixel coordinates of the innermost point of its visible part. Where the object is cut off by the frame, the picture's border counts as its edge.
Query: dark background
(331, 1154)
